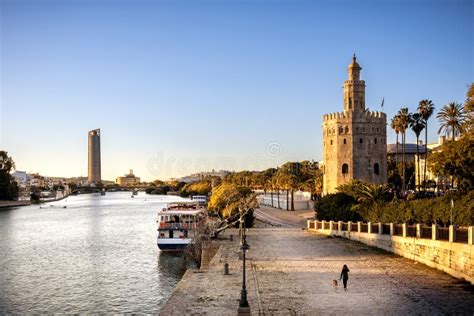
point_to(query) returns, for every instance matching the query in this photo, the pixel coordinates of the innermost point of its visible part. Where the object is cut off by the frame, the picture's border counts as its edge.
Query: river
(98, 254)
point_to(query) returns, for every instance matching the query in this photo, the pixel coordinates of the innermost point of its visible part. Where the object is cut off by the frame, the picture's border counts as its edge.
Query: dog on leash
(334, 283)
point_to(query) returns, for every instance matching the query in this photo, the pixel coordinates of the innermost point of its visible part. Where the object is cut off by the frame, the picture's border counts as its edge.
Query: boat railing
(164, 225)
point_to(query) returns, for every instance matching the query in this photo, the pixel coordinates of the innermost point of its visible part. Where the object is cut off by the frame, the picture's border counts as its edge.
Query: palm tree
(394, 125)
(452, 118)
(403, 120)
(417, 124)
(426, 109)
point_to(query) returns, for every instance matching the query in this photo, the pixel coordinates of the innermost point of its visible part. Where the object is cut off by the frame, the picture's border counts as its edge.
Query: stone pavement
(291, 272)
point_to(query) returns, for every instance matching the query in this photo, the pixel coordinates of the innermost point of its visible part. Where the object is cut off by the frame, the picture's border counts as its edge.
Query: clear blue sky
(184, 86)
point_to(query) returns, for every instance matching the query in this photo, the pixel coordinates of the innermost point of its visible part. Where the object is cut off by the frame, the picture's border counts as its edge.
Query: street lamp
(244, 308)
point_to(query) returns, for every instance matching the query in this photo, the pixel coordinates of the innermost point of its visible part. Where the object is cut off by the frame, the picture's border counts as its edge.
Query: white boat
(177, 225)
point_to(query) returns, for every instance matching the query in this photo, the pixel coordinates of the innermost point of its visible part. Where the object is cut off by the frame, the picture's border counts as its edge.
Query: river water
(98, 254)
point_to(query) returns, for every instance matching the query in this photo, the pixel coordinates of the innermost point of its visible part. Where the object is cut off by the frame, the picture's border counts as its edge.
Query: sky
(178, 87)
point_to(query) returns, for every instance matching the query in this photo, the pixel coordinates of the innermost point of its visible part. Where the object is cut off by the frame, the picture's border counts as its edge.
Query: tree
(403, 120)
(417, 124)
(395, 125)
(226, 197)
(370, 197)
(456, 160)
(8, 186)
(426, 109)
(469, 104)
(452, 118)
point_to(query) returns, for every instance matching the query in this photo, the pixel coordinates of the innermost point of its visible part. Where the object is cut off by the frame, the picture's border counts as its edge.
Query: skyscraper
(94, 156)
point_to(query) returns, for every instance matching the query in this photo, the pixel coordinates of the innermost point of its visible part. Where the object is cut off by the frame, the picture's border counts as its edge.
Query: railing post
(434, 232)
(470, 237)
(451, 233)
(308, 224)
(322, 224)
(392, 229)
(339, 226)
(349, 226)
(369, 227)
(380, 228)
(404, 229)
(418, 230)
(359, 224)
(331, 225)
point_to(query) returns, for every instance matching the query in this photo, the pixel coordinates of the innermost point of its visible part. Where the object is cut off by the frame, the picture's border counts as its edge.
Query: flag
(383, 100)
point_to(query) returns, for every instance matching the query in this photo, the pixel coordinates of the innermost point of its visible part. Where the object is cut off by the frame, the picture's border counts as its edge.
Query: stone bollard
(470, 237)
(226, 268)
(380, 228)
(339, 226)
(451, 233)
(418, 230)
(404, 229)
(349, 226)
(359, 224)
(331, 225)
(392, 229)
(369, 227)
(434, 232)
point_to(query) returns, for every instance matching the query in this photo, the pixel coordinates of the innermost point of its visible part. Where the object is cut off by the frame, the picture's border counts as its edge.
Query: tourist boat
(178, 224)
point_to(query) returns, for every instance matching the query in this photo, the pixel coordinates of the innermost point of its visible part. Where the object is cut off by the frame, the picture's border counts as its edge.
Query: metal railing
(461, 234)
(411, 231)
(450, 234)
(354, 227)
(375, 228)
(426, 232)
(385, 229)
(398, 230)
(443, 233)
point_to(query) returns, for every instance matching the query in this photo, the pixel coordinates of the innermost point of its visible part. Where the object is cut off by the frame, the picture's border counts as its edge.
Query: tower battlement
(367, 116)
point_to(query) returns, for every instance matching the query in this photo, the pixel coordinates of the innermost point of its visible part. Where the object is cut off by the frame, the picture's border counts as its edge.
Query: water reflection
(97, 255)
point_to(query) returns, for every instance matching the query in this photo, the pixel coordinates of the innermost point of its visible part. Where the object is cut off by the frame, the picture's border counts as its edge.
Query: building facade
(355, 140)
(94, 174)
(128, 180)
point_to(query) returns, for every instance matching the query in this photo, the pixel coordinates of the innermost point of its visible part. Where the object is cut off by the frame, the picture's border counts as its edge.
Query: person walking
(344, 276)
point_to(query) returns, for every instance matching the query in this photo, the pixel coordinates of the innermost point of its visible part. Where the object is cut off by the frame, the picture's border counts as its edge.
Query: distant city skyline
(189, 86)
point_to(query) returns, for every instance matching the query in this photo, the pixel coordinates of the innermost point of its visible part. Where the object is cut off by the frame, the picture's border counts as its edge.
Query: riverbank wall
(209, 291)
(454, 258)
(5, 204)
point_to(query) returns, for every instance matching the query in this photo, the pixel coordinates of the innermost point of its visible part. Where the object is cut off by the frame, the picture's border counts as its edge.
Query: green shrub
(336, 207)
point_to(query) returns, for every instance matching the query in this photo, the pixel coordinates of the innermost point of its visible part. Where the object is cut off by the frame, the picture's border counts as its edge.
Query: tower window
(345, 142)
(331, 142)
(375, 140)
(376, 169)
(340, 130)
(345, 169)
(347, 130)
(361, 140)
(363, 129)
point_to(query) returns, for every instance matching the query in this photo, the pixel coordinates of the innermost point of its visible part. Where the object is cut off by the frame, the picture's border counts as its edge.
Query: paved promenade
(291, 273)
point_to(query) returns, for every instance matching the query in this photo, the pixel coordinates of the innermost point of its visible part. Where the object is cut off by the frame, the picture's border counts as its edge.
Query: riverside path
(291, 272)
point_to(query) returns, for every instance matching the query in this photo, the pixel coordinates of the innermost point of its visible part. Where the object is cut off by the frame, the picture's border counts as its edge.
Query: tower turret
(354, 88)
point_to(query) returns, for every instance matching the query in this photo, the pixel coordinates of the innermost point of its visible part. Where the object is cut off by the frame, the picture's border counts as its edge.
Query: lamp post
(244, 308)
